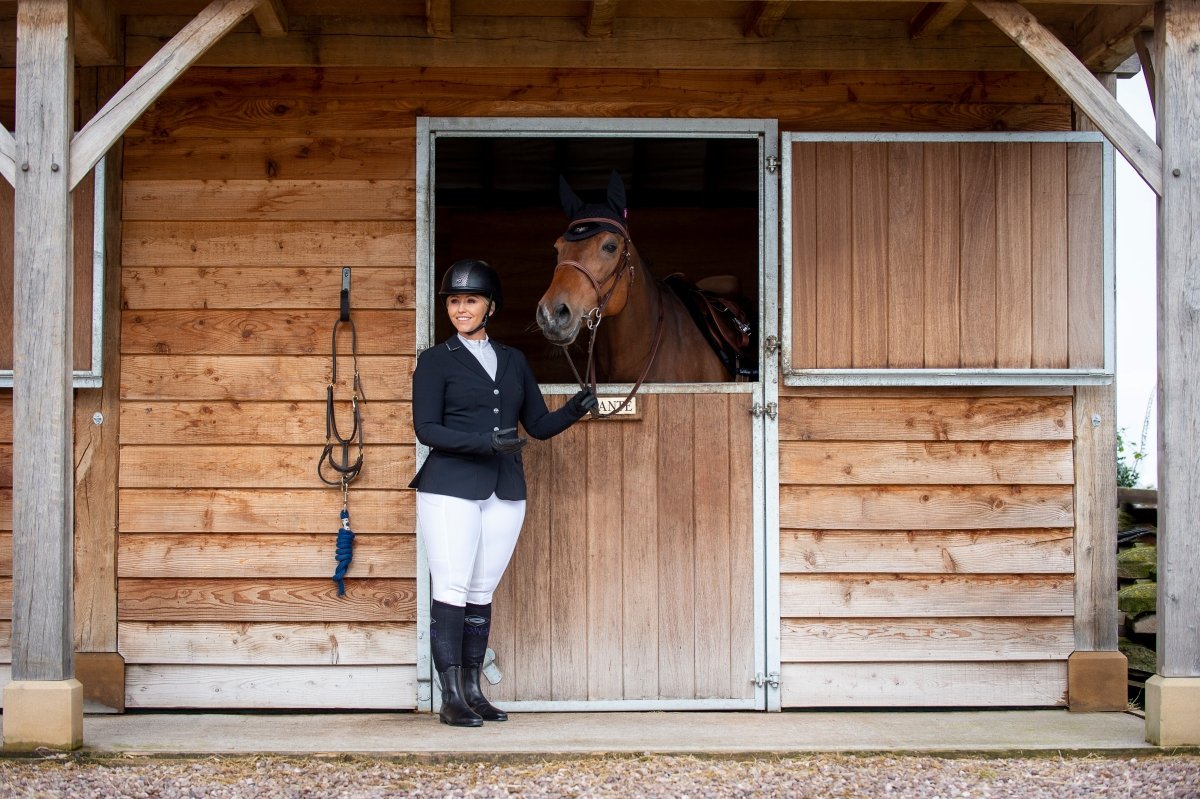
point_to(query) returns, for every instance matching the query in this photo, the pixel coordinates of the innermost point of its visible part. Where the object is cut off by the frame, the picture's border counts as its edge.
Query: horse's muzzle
(558, 323)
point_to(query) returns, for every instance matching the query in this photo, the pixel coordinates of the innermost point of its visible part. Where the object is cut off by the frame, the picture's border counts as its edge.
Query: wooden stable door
(633, 581)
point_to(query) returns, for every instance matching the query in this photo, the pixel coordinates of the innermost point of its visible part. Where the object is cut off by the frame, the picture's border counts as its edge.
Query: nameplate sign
(608, 406)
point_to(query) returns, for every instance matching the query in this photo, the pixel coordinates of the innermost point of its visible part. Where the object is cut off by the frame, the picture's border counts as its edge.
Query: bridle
(593, 317)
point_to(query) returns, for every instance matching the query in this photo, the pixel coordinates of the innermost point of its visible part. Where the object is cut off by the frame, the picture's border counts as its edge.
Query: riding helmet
(472, 276)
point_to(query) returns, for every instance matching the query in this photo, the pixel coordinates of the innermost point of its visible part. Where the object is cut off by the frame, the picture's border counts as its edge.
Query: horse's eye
(610, 248)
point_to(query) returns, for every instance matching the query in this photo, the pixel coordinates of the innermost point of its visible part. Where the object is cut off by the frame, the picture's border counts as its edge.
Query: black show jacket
(456, 408)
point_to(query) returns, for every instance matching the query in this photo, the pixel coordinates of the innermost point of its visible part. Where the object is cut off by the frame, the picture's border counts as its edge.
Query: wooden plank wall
(233, 248)
(245, 192)
(634, 575)
(945, 255)
(926, 547)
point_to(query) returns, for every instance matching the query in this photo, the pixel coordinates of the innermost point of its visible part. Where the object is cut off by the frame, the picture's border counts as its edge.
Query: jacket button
(495, 429)
(495, 410)
(495, 391)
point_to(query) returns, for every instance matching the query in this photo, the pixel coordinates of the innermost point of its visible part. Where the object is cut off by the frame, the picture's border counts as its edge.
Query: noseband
(593, 317)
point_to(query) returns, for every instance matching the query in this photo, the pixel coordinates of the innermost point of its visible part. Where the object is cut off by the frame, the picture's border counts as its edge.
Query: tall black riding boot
(445, 644)
(477, 625)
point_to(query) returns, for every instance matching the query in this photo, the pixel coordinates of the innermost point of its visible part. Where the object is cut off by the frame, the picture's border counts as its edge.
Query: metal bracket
(771, 345)
(773, 164)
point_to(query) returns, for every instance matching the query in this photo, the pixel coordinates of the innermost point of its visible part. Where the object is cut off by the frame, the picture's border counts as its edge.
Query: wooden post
(1173, 694)
(36, 711)
(1097, 673)
(97, 434)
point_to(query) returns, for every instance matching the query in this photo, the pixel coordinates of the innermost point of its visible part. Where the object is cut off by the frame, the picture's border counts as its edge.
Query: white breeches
(468, 544)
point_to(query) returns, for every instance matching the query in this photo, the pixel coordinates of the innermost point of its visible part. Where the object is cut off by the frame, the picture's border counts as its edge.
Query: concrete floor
(1010, 731)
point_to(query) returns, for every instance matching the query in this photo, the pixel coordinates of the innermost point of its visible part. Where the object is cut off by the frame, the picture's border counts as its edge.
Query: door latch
(771, 679)
(771, 345)
(758, 410)
(772, 164)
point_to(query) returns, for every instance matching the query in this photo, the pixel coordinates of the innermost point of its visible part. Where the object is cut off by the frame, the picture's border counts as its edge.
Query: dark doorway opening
(693, 209)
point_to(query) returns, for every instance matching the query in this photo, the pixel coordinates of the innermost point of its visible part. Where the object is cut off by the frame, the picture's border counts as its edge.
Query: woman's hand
(506, 441)
(582, 402)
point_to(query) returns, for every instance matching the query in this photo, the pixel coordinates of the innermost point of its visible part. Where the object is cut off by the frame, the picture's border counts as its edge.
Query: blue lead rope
(344, 552)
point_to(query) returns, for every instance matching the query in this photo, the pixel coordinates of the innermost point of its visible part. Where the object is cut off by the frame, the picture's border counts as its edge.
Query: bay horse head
(647, 333)
(596, 269)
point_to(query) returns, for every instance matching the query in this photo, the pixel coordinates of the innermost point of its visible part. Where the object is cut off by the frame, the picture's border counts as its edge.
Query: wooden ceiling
(663, 34)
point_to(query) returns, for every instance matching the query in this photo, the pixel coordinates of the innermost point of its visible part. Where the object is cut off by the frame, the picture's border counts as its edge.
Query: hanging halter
(344, 471)
(596, 315)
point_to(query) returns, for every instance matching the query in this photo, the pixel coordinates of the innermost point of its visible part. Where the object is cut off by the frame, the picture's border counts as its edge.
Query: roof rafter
(98, 39)
(1104, 37)
(933, 18)
(763, 16)
(601, 15)
(272, 19)
(1143, 154)
(439, 17)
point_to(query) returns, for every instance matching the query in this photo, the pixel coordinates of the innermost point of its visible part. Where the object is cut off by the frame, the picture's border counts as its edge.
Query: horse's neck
(629, 336)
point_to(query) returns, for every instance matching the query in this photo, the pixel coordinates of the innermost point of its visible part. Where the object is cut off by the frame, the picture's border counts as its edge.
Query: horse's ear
(568, 198)
(616, 193)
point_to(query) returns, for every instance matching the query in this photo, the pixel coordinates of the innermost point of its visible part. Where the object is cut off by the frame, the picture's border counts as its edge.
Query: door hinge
(771, 409)
(771, 345)
(771, 679)
(772, 164)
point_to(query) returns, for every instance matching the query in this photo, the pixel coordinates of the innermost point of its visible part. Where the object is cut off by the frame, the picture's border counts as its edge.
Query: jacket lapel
(460, 353)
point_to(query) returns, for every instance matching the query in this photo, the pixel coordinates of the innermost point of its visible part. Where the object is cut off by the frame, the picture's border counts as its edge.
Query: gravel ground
(817, 776)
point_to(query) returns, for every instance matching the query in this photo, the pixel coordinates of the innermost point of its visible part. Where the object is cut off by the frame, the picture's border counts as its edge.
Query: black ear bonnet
(587, 219)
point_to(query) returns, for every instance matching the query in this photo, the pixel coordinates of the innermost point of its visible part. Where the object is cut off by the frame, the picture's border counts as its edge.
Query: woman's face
(466, 313)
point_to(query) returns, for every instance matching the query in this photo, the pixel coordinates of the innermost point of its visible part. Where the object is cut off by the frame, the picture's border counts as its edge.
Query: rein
(593, 318)
(346, 470)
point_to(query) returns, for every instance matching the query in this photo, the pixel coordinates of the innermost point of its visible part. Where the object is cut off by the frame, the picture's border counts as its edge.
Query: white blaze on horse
(639, 329)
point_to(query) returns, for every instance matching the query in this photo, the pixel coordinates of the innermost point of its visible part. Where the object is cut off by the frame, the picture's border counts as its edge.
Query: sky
(1137, 353)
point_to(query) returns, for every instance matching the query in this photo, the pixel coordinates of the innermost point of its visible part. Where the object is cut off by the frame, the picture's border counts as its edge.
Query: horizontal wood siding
(947, 255)
(926, 547)
(232, 253)
(245, 191)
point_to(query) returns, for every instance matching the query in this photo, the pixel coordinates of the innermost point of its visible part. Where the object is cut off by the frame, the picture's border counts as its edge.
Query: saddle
(718, 308)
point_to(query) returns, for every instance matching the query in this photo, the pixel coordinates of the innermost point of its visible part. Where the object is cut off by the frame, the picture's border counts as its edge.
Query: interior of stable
(693, 209)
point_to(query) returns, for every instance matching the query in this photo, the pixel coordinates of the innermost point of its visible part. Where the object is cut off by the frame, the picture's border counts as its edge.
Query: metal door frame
(763, 394)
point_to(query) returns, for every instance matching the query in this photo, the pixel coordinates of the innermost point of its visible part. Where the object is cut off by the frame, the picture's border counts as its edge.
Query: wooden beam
(643, 43)
(1068, 72)
(763, 16)
(43, 484)
(600, 17)
(272, 19)
(8, 151)
(1143, 41)
(98, 39)
(1177, 63)
(152, 80)
(933, 18)
(1104, 37)
(439, 17)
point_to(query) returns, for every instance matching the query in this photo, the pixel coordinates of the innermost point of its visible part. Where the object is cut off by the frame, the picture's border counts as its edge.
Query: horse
(641, 330)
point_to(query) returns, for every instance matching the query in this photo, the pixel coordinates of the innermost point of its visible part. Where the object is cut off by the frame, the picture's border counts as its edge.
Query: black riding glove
(506, 441)
(581, 403)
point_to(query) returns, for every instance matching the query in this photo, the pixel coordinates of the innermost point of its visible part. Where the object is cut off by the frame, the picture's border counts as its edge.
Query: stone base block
(1173, 711)
(43, 713)
(1097, 681)
(103, 678)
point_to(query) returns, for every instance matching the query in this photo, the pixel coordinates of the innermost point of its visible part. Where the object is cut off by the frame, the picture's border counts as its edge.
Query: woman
(469, 392)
